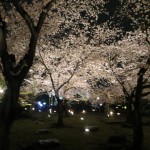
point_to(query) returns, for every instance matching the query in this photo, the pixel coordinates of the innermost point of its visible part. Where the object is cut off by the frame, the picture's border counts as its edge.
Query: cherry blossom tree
(141, 70)
(75, 27)
(15, 67)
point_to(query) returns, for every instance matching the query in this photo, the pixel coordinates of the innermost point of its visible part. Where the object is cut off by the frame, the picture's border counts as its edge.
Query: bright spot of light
(33, 108)
(111, 113)
(40, 104)
(83, 111)
(86, 130)
(54, 110)
(49, 115)
(44, 103)
(118, 114)
(97, 98)
(81, 118)
(1, 91)
(125, 107)
(72, 113)
(93, 109)
(50, 110)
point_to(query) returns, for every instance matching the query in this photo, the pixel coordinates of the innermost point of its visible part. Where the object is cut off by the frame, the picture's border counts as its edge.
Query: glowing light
(83, 111)
(93, 109)
(49, 115)
(25, 108)
(1, 90)
(50, 110)
(111, 113)
(116, 107)
(81, 118)
(118, 114)
(72, 112)
(54, 110)
(33, 108)
(44, 103)
(40, 104)
(86, 130)
(40, 111)
(101, 104)
(125, 107)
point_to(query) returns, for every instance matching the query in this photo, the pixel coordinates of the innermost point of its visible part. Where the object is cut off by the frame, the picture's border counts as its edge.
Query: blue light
(44, 103)
(40, 104)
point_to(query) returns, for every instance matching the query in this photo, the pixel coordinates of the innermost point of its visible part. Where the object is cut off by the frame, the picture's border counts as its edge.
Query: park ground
(72, 136)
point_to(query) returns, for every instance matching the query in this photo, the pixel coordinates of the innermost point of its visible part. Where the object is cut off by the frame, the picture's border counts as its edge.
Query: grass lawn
(72, 136)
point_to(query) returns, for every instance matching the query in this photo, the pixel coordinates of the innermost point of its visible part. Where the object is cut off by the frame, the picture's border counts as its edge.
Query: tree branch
(146, 86)
(50, 74)
(72, 74)
(43, 14)
(123, 87)
(25, 16)
(145, 94)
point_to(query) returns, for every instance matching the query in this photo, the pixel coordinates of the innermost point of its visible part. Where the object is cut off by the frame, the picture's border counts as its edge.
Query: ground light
(81, 118)
(86, 130)
(50, 110)
(118, 114)
(71, 112)
(93, 110)
(110, 114)
(83, 111)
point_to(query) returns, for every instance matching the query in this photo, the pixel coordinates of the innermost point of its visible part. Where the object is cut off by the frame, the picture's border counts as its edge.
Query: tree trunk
(129, 113)
(137, 131)
(8, 113)
(137, 120)
(60, 113)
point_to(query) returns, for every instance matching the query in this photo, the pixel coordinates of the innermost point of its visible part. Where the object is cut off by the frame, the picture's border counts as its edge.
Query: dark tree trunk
(66, 109)
(137, 131)
(13, 72)
(137, 120)
(60, 113)
(129, 113)
(7, 115)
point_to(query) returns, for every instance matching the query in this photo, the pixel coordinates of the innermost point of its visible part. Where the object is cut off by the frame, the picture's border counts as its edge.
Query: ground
(72, 136)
